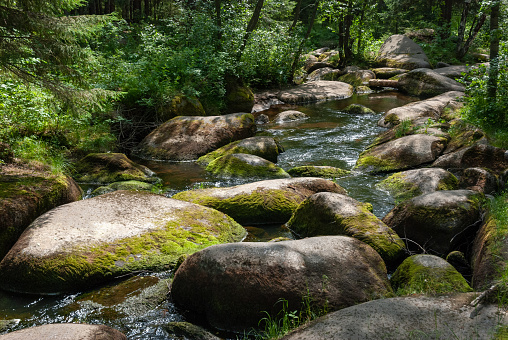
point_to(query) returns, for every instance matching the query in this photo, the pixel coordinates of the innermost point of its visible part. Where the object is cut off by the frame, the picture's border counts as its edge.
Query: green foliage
(490, 114)
(404, 128)
(287, 320)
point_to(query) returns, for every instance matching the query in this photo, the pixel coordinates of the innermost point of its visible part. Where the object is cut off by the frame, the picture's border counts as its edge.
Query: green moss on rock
(427, 274)
(107, 168)
(125, 185)
(318, 171)
(358, 109)
(245, 166)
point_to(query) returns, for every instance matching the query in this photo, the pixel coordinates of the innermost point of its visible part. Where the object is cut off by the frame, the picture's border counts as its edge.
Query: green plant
(405, 127)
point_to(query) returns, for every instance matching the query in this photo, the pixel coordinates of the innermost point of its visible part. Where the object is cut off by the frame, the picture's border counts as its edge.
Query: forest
(91, 76)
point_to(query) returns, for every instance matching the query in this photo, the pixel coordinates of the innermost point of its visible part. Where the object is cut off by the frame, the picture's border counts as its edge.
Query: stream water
(328, 137)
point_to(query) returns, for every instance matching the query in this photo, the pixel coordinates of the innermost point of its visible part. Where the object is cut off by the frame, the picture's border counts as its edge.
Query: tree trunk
(251, 26)
(147, 8)
(494, 53)
(360, 26)
(446, 18)
(218, 20)
(296, 15)
(300, 48)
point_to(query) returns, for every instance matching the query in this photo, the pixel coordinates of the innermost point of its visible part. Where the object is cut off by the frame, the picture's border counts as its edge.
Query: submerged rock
(399, 51)
(66, 331)
(335, 214)
(408, 184)
(105, 168)
(427, 83)
(271, 201)
(262, 146)
(402, 153)
(85, 243)
(189, 137)
(289, 116)
(318, 171)
(241, 165)
(427, 274)
(26, 193)
(233, 285)
(402, 318)
(439, 222)
(358, 109)
(316, 91)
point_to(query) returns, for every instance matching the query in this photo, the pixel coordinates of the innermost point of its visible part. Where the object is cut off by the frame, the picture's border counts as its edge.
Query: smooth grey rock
(402, 318)
(316, 91)
(437, 222)
(424, 82)
(232, 285)
(289, 116)
(66, 331)
(399, 51)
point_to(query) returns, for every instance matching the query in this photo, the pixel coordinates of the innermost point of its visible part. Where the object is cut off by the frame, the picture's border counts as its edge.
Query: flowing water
(328, 137)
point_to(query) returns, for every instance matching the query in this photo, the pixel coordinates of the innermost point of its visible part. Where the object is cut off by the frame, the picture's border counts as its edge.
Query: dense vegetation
(80, 76)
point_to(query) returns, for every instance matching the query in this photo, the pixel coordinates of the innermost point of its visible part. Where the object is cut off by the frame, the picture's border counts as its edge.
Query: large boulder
(431, 108)
(427, 274)
(358, 77)
(262, 146)
(388, 72)
(399, 51)
(242, 165)
(402, 318)
(124, 185)
(325, 73)
(106, 168)
(66, 331)
(181, 105)
(189, 137)
(239, 97)
(271, 201)
(402, 153)
(479, 179)
(454, 72)
(490, 251)
(408, 184)
(85, 243)
(438, 222)
(233, 285)
(327, 213)
(478, 155)
(316, 91)
(423, 82)
(26, 193)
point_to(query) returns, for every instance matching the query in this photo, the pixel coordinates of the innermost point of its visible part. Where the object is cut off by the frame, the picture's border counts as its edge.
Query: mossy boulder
(325, 73)
(401, 154)
(490, 253)
(289, 116)
(358, 109)
(232, 286)
(242, 165)
(413, 317)
(335, 214)
(315, 91)
(479, 155)
(66, 331)
(190, 137)
(428, 108)
(481, 180)
(262, 146)
(388, 72)
(357, 78)
(124, 185)
(424, 82)
(439, 222)
(181, 105)
(89, 242)
(239, 97)
(408, 184)
(318, 171)
(427, 274)
(105, 168)
(270, 201)
(27, 192)
(399, 51)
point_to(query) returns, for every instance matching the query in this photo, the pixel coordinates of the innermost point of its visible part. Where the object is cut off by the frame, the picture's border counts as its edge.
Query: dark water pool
(328, 137)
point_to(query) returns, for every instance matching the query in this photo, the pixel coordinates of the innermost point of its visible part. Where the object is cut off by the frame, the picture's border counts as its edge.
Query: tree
(39, 43)
(478, 20)
(494, 51)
